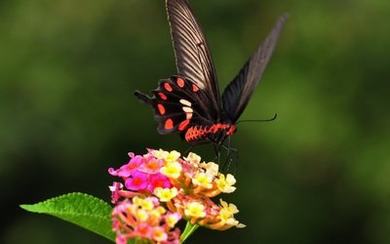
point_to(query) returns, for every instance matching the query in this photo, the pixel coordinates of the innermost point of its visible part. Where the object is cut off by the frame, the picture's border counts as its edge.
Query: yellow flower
(160, 154)
(141, 214)
(211, 168)
(165, 194)
(146, 204)
(159, 234)
(172, 219)
(172, 156)
(161, 210)
(193, 159)
(171, 170)
(226, 184)
(227, 214)
(195, 209)
(234, 222)
(156, 213)
(203, 180)
(228, 210)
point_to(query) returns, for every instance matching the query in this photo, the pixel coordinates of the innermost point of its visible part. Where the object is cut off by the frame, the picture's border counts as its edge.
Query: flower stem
(190, 228)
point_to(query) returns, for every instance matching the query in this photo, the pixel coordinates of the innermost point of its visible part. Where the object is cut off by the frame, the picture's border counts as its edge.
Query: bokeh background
(320, 173)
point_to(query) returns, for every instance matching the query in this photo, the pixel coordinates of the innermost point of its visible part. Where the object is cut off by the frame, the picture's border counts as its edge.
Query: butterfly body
(190, 103)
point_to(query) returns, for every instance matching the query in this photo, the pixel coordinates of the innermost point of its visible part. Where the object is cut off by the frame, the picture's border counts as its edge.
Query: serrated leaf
(81, 209)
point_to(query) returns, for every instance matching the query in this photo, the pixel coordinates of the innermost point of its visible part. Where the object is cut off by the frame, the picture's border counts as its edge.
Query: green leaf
(81, 209)
(188, 231)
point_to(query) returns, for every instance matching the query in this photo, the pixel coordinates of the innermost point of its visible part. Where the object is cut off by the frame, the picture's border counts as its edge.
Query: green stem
(190, 228)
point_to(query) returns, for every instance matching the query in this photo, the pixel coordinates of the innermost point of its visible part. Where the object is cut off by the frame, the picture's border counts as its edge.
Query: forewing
(193, 59)
(237, 94)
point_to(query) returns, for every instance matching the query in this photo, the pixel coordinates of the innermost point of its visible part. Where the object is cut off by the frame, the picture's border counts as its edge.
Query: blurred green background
(319, 174)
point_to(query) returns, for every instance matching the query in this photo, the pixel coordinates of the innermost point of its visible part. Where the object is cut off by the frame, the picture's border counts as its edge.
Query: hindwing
(178, 104)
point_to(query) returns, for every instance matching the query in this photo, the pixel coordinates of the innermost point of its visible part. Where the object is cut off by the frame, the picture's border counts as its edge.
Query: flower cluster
(159, 188)
(144, 218)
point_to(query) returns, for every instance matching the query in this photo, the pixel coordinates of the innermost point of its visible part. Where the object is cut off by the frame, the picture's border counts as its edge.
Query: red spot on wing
(180, 82)
(162, 96)
(161, 108)
(195, 88)
(167, 87)
(168, 124)
(183, 124)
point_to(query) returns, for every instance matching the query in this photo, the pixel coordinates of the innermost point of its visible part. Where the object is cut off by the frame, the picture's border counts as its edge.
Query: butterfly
(190, 102)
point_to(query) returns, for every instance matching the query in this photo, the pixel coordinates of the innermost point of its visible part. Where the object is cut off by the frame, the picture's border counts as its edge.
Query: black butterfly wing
(237, 94)
(193, 58)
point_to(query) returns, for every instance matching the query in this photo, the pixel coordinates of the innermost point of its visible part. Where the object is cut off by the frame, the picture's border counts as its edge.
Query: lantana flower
(225, 184)
(165, 194)
(143, 218)
(159, 188)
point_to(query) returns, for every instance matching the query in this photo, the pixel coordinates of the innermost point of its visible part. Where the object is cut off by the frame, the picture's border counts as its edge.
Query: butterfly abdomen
(216, 132)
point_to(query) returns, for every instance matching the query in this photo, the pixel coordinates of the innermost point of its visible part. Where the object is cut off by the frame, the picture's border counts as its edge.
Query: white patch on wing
(185, 102)
(187, 109)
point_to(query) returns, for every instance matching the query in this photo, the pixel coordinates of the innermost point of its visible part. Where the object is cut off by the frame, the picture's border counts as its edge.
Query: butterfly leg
(217, 150)
(229, 151)
(194, 145)
(230, 154)
(225, 166)
(188, 150)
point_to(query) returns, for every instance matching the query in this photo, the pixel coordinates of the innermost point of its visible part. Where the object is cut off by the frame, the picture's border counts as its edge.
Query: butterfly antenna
(259, 120)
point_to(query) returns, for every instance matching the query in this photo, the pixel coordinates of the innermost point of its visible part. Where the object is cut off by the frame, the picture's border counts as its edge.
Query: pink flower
(127, 169)
(158, 180)
(115, 188)
(151, 165)
(135, 160)
(120, 239)
(144, 230)
(138, 181)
